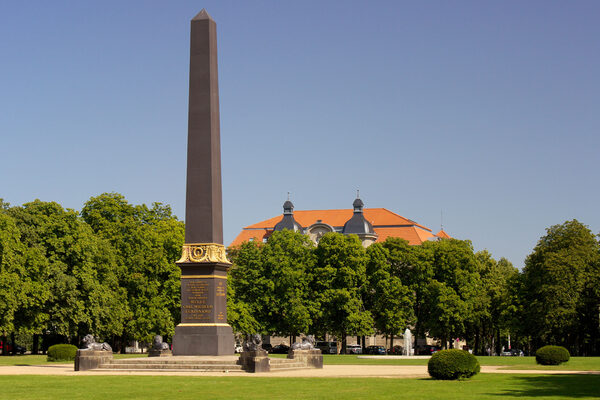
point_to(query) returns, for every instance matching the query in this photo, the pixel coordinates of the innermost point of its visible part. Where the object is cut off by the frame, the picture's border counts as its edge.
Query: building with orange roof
(370, 224)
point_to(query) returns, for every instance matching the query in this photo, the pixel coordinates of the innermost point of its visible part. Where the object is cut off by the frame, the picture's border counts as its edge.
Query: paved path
(328, 371)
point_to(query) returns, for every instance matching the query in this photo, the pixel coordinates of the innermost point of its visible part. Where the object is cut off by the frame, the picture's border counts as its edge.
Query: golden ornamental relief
(203, 253)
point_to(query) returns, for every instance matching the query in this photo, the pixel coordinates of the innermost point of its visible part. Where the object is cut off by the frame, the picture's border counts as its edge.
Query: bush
(452, 364)
(62, 352)
(552, 355)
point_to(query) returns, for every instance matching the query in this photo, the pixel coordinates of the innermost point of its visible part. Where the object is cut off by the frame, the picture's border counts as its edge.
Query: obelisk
(203, 329)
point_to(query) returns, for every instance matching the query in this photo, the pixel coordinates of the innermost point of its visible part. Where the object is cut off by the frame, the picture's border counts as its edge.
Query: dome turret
(288, 221)
(358, 225)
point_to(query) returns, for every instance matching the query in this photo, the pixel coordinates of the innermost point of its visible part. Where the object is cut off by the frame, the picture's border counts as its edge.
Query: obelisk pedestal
(203, 329)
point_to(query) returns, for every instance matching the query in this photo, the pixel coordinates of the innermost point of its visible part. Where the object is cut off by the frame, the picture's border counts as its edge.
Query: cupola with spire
(288, 221)
(358, 225)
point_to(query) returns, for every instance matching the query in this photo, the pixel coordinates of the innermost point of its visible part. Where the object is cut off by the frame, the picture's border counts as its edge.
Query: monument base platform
(203, 340)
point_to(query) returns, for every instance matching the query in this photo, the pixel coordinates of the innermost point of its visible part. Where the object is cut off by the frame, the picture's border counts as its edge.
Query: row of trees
(108, 270)
(441, 289)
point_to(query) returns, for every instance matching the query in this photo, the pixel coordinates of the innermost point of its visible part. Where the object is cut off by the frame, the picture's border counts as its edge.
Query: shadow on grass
(548, 386)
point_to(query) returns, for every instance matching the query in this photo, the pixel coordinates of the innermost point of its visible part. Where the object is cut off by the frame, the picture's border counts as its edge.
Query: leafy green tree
(270, 282)
(148, 242)
(73, 289)
(413, 265)
(560, 284)
(390, 302)
(496, 305)
(338, 281)
(287, 262)
(453, 292)
(12, 270)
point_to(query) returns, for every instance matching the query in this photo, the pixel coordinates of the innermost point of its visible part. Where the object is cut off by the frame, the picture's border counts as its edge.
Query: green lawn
(483, 386)
(575, 363)
(41, 360)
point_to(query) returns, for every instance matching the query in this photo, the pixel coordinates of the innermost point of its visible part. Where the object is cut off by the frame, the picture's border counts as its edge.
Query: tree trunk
(4, 349)
(391, 344)
(498, 341)
(14, 345)
(343, 343)
(35, 347)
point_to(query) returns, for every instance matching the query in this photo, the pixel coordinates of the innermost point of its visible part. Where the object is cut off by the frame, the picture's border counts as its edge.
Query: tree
(246, 284)
(73, 289)
(560, 284)
(338, 282)
(496, 305)
(413, 265)
(12, 288)
(270, 282)
(452, 293)
(390, 302)
(147, 242)
(287, 262)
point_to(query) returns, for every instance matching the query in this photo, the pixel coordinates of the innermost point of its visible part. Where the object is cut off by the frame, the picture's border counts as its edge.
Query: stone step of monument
(169, 360)
(170, 367)
(284, 367)
(169, 370)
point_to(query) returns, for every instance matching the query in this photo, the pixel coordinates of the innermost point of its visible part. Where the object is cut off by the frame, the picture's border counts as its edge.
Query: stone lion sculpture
(308, 343)
(158, 344)
(253, 342)
(89, 343)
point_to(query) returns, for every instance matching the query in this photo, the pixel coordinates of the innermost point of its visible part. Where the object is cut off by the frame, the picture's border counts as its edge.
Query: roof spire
(357, 193)
(288, 196)
(441, 219)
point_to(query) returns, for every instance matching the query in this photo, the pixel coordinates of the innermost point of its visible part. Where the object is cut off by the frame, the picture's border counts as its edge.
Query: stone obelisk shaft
(203, 329)
(204, 213)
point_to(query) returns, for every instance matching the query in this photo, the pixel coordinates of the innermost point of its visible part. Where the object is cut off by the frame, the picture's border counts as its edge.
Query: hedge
(62, 352)
(452, 364)
(552, 355)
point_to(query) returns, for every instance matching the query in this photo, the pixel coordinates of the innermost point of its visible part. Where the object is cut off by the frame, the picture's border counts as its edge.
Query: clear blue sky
(489, 111)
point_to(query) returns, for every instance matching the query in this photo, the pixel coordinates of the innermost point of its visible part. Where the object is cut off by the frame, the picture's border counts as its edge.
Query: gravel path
(328, 371)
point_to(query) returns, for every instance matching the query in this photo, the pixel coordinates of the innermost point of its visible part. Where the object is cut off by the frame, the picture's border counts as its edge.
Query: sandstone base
(203, 341)
(312, 358)
(159, 353)
(255, 361)
(91, 359)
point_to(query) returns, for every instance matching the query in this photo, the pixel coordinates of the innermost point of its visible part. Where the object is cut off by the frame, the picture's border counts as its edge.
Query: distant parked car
(9, 348)
(353, 349)
(379, 350)
(280, 349)
(327, 347)
(514, 353)
(268, 347)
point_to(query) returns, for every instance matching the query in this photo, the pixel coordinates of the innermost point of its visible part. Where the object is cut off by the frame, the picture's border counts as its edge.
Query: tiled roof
(255, 234)
(337, 218)
(385, 223)
(412, 234)
(443, 235)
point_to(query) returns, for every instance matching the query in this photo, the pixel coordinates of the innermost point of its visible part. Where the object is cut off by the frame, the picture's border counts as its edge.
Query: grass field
(575, 363)
(483, 386)
(41, 360)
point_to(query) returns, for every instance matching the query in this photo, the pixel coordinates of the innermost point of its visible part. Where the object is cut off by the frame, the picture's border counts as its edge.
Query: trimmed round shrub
(552, 355)
(452, 364)
(62, 352)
